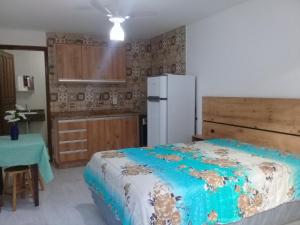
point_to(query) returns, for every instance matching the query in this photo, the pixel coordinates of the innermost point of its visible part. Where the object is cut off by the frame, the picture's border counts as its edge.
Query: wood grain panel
(72, 136)
(69, 61)
(108, 135)
(106, 68)
(72, 146)
(76, 62)
(73, 156)
(280, 115)
(119, 64)
(132, 132)
(96, 137)
(101, 134)
(284, 142)
(117, 138)
(112, 133)
(94, 62)
(76, 125)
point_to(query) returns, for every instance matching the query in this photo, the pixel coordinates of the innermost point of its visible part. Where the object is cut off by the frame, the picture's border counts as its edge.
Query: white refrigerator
(170, 109)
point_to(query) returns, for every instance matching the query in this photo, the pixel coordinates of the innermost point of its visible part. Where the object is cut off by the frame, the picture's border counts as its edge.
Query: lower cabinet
(71, 144)
(112, 133)
(77, 140)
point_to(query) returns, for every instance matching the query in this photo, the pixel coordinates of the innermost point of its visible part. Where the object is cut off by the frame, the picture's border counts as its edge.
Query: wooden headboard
(268, 122)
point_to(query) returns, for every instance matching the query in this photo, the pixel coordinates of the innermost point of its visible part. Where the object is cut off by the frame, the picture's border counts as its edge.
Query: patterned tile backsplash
(162, 54)
(168, 52)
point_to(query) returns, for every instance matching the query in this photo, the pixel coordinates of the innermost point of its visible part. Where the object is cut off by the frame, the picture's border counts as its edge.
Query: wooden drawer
(72, 135)
(65, 146)
(71, 125)
(73, 156)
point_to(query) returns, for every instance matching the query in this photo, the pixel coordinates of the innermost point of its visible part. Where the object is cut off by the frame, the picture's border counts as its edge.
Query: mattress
(211, 182)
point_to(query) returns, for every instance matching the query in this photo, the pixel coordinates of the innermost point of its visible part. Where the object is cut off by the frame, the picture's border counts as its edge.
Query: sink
(35, 115)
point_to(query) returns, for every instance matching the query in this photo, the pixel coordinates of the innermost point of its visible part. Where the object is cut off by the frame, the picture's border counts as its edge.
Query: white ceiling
(79, 16)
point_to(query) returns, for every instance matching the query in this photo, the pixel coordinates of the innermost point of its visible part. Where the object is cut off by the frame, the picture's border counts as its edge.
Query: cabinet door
(117, 135)
(97, 136)
(130, 132)
(96, 62)
(69, 61)
(112, 133)
(118, 62)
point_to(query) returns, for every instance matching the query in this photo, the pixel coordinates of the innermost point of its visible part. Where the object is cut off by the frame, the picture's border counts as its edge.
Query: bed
(226, 179)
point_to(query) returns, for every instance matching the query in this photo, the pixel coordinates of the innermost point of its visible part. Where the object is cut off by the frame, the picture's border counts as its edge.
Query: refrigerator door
(157, 110)
(157, 86)
(180, 108)
(157, 122)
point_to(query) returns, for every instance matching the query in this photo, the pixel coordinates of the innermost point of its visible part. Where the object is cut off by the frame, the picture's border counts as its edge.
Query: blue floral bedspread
(218, 181)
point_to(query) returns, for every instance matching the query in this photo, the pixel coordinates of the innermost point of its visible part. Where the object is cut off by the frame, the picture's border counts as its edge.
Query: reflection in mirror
(23, 79)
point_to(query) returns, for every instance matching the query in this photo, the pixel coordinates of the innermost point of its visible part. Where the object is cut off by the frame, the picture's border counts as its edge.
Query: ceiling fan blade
(101, 7)
(108, 11)
(142, 14)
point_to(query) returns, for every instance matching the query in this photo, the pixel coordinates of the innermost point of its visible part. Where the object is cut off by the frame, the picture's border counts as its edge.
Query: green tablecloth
(28, 150)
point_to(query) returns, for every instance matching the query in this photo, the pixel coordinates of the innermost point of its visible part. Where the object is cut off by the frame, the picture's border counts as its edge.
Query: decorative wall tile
(105, 96)
(162, 54)
(53, 97)
(72, 106)
(62, 97)
(80, 96)
(168, 52)
(128, 95)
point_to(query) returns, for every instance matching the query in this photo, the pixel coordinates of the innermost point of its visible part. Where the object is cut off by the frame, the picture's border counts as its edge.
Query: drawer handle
(71, 152)
(73, 141)
(72, 131)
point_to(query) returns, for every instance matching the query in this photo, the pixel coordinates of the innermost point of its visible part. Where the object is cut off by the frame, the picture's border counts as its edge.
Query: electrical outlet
(115, 98)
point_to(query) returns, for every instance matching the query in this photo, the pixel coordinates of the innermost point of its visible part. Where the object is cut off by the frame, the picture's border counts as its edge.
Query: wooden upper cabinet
(104, 63)
(69, 61)
(96, 62)
(91, 57)
(118, 64)
(90, 63)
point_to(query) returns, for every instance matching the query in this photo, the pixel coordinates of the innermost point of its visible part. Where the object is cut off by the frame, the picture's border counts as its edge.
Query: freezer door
(157, 122)
(157, 86)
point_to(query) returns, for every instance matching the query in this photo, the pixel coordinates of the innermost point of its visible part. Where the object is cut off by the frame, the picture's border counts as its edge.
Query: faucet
(27, 108)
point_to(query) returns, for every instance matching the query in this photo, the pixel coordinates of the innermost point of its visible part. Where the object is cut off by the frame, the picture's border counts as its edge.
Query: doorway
(30, 88)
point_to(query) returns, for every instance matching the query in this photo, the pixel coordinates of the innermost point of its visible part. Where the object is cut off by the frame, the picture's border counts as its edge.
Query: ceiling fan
(117, 15)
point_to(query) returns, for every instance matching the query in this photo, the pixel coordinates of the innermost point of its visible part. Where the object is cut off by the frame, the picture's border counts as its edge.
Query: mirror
(23, 82)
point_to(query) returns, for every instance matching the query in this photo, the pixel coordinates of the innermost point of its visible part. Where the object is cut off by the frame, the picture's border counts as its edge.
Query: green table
(30, 149)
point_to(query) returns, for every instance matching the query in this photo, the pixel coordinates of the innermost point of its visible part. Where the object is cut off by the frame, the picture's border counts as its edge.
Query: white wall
(22, 37)
(251, 50)
(32, 63)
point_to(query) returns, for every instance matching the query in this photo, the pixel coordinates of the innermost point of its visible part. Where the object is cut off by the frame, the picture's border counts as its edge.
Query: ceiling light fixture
(117, 32)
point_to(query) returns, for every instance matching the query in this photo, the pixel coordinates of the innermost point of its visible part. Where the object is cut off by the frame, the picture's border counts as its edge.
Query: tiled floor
(66, 201)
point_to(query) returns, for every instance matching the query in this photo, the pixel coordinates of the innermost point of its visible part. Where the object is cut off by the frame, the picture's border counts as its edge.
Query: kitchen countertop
(92, 114)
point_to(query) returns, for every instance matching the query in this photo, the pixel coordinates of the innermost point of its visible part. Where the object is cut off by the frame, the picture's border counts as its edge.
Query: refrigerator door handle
(155, 98)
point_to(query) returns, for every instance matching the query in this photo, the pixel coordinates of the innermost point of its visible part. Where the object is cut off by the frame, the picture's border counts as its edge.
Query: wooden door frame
(45, 50)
